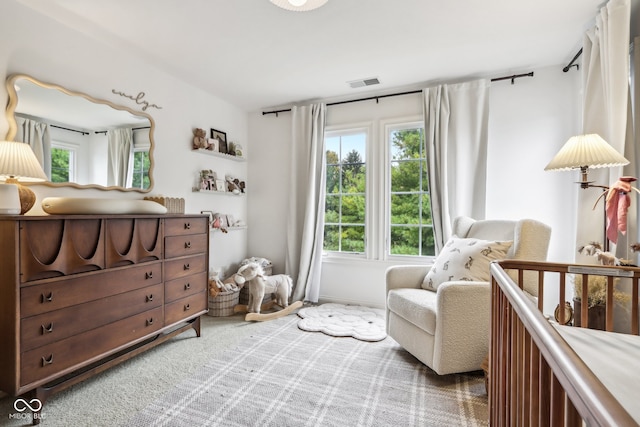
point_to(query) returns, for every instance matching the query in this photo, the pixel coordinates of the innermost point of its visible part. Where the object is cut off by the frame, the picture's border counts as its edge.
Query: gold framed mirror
(82, 141)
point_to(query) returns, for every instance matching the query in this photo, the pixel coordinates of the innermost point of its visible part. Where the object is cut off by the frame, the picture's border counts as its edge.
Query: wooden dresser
(80, 293)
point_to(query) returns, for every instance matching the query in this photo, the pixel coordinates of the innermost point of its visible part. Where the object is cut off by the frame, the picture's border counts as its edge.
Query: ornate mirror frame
(13, 126)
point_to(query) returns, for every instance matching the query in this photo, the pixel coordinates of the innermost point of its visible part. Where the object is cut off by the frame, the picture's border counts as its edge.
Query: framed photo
(221, 185)
(213, 144)
(222, 140)
(207, 180)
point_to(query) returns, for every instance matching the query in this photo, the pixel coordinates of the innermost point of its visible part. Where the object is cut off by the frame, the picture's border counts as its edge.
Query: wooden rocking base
(261, 317)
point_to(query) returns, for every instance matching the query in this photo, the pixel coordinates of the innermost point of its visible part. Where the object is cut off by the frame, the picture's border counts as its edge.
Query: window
(63, 161)
(378, 205)
(141, 164)
(410, 224)
(345, 203)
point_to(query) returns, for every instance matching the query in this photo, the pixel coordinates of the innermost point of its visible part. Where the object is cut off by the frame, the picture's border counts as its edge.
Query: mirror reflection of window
(63, 162)
(141, 165)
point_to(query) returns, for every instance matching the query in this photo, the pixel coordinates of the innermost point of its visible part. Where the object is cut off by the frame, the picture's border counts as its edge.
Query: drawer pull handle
(47, 360)
(148, 275)
(187, 225)
(187, 286)
(150, 322)
(47, 329)
(187, 307)
(187, 266)
(187, 245)
(149, 298)
(46, 298)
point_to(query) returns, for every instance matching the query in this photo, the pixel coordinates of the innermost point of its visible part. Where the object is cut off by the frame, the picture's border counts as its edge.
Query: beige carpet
(216, 379)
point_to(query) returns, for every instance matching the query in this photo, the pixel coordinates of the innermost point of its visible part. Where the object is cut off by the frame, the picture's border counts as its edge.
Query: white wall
(36, 45)
(529, 122)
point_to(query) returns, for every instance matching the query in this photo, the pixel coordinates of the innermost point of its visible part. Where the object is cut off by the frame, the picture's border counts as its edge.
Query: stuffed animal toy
(252, 275)
(200, 139)
(595, 249)
(590, 249)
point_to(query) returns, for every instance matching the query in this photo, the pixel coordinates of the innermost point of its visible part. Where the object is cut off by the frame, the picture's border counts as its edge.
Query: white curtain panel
(305, 222)
(36, 134)
(633, 138)
(606, 87)
(120, 169)
(456, 136)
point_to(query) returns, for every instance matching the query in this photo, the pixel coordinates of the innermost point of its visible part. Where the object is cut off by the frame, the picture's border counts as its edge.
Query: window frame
(139, 149)
(345, 130)
(378, 190)
(73, 158)
(387, 127)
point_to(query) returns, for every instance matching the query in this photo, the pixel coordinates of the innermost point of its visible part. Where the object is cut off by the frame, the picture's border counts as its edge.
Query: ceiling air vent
(364, 82)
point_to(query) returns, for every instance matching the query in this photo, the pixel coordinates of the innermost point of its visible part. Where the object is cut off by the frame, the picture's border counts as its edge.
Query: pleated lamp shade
(586, 151)
(18, 164)
(17, 160)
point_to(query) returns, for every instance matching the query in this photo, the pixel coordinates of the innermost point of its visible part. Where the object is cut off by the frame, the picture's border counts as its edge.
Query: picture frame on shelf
(214, 144)
(208, 180)
(222, 140)
(221, 185)
(220, 220)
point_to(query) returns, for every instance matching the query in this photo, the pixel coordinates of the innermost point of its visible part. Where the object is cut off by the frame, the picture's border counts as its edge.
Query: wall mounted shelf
(242, 227)
(221, 155)
(221, 193)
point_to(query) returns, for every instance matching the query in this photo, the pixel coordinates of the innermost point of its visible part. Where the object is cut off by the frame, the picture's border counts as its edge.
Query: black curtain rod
(104, 131)
(378, 97)
(571, 64)
(70, 130)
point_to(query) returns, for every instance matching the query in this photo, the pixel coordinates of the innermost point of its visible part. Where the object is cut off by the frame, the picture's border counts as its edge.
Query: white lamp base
(9, 200)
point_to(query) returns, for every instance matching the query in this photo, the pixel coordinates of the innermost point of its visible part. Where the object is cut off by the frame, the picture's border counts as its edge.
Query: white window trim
(386, 126)
(378, 191)
(346, 129)
(73, 148)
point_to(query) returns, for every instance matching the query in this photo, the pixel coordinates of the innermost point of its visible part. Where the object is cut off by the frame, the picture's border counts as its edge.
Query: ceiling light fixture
(299, 5)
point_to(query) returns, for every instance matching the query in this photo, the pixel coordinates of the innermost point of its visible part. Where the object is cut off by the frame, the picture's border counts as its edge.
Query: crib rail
(535, 377)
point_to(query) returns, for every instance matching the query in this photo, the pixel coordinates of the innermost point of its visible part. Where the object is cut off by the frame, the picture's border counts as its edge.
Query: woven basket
(222, 304)
(173, 204)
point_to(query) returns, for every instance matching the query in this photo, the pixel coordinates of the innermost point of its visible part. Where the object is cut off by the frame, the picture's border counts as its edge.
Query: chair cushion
(465, 259)
(417, 306)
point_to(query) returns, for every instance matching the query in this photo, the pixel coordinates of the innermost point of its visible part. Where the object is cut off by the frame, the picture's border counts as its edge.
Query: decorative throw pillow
(464, 259)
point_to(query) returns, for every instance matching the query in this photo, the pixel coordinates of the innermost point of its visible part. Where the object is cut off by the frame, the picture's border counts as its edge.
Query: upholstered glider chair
(440, 313)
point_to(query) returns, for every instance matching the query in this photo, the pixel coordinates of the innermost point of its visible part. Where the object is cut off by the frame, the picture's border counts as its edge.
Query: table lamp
(584, 152)
(18, 164)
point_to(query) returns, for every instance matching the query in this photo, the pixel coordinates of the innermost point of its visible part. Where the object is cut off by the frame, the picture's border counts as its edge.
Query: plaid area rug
(288, 377)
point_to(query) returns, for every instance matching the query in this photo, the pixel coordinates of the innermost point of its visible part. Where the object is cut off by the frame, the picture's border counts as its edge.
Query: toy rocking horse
(280, 285)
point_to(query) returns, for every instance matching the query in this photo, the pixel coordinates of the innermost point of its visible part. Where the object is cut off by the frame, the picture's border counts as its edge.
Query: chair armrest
(462, 329)
(406, 276)
(461, 295)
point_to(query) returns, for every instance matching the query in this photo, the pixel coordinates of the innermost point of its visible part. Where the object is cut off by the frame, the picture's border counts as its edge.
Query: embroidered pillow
(464, 259)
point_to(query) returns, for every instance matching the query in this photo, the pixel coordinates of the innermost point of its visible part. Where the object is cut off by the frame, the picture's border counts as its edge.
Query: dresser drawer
(51, 359)
(187, 225)
(185, 286)
(60, 247)
(185, 307)
(133, 241)
(188, 244)
(46, 328)
(186, 266)
(61, 293)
